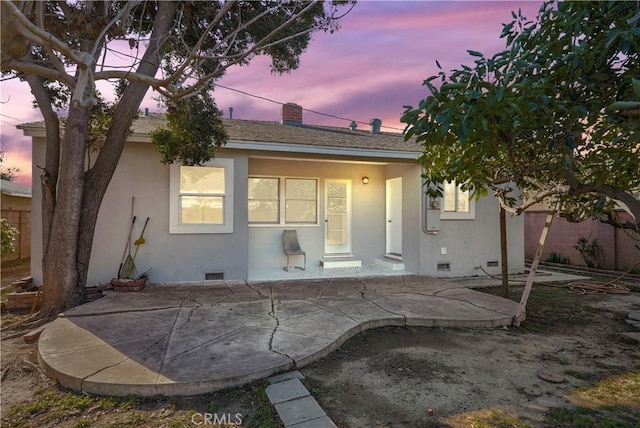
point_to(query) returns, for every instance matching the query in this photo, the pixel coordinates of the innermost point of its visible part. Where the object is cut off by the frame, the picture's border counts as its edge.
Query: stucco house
(354, 197)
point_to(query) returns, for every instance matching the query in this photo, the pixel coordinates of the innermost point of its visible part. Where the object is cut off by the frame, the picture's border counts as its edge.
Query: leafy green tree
(188, 120)
(555, 114)
(174, 47)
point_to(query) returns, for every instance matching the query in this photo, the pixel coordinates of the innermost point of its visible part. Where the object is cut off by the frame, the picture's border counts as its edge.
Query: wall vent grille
(444, 266)
(214, 276)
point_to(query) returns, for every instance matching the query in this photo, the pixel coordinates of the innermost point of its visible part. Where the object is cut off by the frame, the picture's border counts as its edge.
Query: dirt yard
(391, 377)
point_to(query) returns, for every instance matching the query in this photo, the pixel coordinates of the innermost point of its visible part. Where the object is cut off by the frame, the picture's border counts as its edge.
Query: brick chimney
(291, 114)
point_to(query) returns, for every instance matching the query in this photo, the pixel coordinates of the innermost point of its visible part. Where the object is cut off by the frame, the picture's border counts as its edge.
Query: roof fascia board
(323, 150)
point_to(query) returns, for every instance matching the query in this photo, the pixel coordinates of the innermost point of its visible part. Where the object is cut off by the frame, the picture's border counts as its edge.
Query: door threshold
(394, 256)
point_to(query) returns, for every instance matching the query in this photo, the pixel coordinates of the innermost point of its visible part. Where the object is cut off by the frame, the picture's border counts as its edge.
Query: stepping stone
(301, 410)
(634, 315)
(286, 391)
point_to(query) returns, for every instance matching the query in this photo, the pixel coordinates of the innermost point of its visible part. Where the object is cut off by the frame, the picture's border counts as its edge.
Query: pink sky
(370, 68)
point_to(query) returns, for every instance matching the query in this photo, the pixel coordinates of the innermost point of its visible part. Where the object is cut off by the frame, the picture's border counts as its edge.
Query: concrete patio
(192, 339)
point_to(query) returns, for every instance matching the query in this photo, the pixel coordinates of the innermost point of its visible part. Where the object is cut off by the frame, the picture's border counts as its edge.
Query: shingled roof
(254, 131)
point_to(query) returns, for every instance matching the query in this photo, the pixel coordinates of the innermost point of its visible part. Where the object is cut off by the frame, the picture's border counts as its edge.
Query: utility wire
(9, 117)
(304, 109)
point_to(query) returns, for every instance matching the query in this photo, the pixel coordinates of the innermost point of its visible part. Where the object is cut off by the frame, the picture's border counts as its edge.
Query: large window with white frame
(456, 203)
(201, 198)
(283, 200)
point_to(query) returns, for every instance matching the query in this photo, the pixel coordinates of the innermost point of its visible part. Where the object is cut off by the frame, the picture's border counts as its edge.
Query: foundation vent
(214, 276)
(493, 263)
(444, 266)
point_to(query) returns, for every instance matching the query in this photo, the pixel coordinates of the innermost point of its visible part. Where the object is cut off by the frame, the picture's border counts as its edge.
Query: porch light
(365, 180)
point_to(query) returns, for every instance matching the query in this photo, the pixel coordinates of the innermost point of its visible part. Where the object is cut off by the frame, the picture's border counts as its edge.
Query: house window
(201, 198)
(301, 196)
(264, 200)
(456, 203)
(275, 200)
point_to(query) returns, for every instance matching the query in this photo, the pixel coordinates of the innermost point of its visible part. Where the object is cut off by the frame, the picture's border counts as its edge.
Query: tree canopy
(556, 114)
(177, 48)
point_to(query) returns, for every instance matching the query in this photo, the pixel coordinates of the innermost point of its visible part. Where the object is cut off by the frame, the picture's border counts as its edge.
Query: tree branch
(32, 32)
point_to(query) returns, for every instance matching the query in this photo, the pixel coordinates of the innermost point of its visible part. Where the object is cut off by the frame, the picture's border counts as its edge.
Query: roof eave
(322, 150)
(33, 131)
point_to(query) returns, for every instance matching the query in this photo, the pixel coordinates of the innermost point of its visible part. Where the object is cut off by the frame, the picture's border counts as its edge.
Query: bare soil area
(418, 377)
(391, 377)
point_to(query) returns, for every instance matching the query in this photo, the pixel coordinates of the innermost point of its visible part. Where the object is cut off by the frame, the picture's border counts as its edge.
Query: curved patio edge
(189, 350)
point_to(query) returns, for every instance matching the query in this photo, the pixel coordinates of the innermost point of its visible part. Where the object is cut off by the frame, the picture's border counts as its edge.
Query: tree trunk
(60, 289)
(71, 213)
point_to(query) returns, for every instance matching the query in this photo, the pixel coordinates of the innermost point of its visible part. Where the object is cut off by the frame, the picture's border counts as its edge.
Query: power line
(9, 117)
(304, 109)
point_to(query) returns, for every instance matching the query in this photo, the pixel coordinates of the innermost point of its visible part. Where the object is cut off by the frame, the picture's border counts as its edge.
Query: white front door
(394, 218)
(337, 217)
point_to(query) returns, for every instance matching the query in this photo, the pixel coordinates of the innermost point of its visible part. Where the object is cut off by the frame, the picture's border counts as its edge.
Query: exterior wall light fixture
(365, 180)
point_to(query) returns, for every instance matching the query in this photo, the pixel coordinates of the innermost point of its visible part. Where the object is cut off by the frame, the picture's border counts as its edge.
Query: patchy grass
(617, 390)
(585, 417)
(314, 386)
(53, 406)
(492, 418)
(612, 402)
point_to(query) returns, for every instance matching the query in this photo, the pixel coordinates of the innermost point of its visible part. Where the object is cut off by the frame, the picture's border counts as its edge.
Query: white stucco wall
(471, 243)
(169, 257)
(249, 249)
(368, 215)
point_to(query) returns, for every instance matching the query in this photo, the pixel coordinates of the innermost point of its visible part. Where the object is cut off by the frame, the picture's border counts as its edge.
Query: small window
(201, 198)
(281, 201)
(456, 203)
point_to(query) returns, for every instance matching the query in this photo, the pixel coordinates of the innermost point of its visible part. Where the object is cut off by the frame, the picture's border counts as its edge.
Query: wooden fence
(21, 220)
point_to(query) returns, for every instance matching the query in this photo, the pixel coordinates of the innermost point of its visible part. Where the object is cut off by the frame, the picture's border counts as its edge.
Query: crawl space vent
(213, 276)
(493, 263)
(444, 266)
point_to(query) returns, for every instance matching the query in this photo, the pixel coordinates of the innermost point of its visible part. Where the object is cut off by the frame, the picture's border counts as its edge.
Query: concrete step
(391, 264)
(340, 262)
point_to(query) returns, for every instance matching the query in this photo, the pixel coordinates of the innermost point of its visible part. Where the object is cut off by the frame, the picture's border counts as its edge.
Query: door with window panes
(338, 217)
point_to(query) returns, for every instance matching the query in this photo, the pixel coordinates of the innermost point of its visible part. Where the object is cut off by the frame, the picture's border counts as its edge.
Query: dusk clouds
(370, 68)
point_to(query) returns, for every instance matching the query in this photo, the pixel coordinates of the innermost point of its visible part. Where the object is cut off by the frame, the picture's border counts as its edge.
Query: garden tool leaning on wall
(129, 267)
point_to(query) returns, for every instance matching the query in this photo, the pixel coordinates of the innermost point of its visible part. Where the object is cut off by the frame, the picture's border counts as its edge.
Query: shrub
(558, 258)
(9, 234)
(591, 252)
